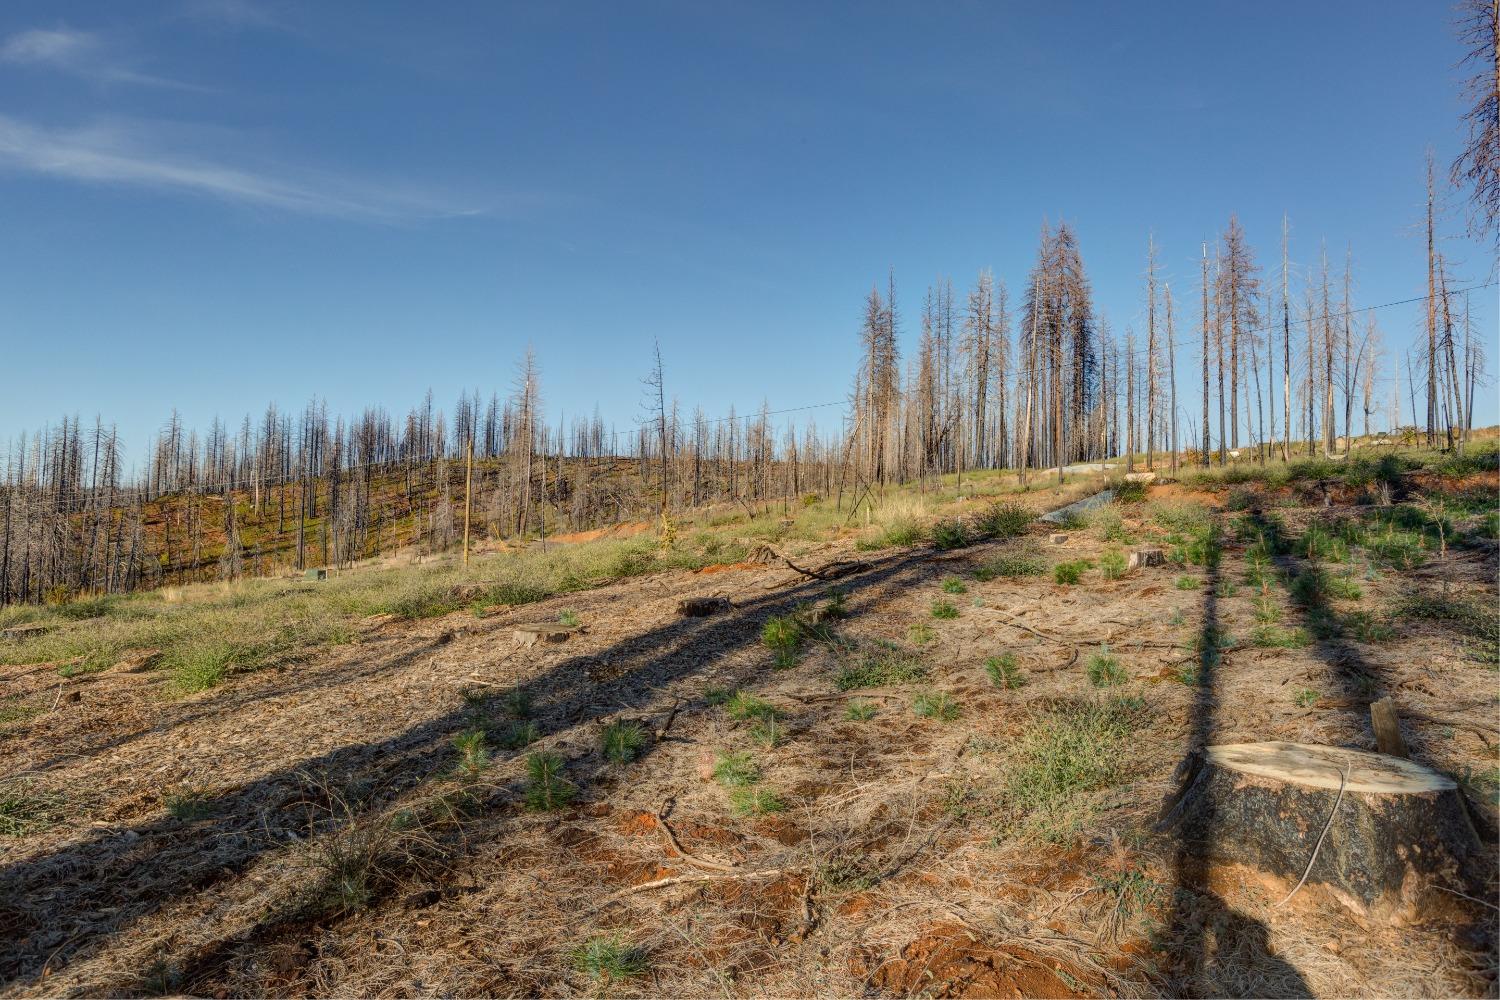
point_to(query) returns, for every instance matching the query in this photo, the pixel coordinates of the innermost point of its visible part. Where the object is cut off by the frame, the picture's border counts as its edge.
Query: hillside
(939, 774)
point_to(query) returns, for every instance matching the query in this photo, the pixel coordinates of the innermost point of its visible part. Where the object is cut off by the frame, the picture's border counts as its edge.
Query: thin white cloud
(231, 13)
(42, 46)
(79, 53)
(110, 153)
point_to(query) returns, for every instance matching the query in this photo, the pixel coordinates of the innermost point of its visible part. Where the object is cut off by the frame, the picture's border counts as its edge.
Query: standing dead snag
(1379, 833)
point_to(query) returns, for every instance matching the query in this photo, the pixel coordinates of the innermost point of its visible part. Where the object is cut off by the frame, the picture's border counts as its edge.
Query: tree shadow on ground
(1213, 949)
(65, 904)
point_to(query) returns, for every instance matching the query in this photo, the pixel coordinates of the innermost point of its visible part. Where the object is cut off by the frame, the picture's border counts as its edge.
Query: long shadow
(63, 905)
(1212, 943)
(1356, 678)
(228, 701)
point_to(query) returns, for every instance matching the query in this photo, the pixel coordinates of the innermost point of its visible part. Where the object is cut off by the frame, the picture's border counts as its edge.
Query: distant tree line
(1048, 383)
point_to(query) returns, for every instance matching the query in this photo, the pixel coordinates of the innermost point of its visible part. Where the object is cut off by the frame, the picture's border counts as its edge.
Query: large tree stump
(1400, 829)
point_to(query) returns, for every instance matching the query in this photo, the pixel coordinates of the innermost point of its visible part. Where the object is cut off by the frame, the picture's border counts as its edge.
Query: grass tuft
(1064, 755)
(736, 769)
(1003, 671)
(1104, 669)
(937, 705)
(607, 959)
(752, 801)
(881, 665)
(768, 733)
(742, 706)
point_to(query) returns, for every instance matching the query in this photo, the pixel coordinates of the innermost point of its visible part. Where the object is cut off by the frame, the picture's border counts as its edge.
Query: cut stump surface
(1394, 828)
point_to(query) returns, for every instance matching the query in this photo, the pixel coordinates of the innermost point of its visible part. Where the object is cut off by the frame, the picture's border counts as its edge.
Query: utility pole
(468, 494)
(1172, 377)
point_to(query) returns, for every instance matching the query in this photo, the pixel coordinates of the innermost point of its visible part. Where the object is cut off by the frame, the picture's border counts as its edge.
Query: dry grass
(354, 812)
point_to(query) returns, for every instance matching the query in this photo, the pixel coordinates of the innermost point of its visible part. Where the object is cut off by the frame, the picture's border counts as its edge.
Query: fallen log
(1380, 834)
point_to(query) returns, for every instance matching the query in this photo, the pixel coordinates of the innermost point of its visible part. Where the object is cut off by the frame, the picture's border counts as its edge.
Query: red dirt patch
(949, 960)
(782, 830)
(627, 530)
(1177, 491)
(617, 865)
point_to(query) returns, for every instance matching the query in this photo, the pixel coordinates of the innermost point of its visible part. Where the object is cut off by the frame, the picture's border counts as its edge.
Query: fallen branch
(661, 733)
(661, 824)
(662, 883)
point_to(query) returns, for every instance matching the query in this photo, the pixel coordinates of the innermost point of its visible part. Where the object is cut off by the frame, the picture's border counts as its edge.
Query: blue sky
(209, 204)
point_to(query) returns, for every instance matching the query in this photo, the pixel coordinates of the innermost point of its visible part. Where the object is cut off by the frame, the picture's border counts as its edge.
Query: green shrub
(1005, 520)
(781, 633)
(188, 804)
(622, 742)
(1075, 520)
(1129, 491)
(473, 754)
(519, 735)
(1112, 564)
(546, 788)
(1306, 698)
(859, 710)
(1188, 583)
(953, 585)
(950, 534)
(1267, 611)
(920, 633)
(1344, 587)
(944, 609)
(1068, 573)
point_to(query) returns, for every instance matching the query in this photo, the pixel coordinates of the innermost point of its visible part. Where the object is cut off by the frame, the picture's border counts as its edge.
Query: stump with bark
(702, 607)
(1379, 833)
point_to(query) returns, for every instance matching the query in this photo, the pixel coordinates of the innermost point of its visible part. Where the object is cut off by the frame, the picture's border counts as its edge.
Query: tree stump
(1399, 830)
(702, 607)
(527, 636)
(1147, 557)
